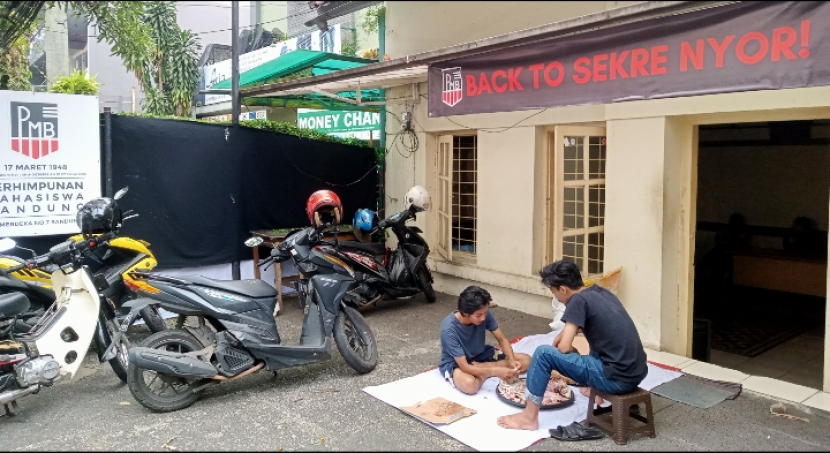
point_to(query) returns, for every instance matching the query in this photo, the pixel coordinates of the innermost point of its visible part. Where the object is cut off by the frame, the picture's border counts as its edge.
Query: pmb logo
(451, 89)
(34, 128)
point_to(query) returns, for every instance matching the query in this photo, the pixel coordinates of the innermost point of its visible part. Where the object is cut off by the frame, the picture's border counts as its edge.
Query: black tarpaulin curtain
(199, 194)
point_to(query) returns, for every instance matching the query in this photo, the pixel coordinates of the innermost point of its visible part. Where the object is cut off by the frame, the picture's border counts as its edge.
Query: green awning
(296, 64)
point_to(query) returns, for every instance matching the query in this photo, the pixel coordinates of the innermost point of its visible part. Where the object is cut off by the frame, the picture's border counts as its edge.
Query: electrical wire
(245, 27)
(255, 25)
(414, 143)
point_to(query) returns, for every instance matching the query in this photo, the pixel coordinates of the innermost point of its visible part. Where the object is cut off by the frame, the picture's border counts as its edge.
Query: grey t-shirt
(610, 332)
(459, 340)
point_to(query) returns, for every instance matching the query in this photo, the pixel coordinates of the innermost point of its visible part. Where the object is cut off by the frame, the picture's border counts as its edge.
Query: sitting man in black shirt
(617, 361)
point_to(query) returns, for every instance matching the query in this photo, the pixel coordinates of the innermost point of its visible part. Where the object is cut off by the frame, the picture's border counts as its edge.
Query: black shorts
(489, 354)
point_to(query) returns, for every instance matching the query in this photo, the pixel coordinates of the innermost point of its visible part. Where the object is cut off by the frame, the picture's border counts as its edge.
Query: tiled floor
(798, 361)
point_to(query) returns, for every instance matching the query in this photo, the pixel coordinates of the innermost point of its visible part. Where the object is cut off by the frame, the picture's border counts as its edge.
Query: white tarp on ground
(481, 431)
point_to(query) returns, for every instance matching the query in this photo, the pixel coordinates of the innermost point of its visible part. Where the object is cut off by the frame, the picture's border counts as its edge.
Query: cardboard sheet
(438, 411)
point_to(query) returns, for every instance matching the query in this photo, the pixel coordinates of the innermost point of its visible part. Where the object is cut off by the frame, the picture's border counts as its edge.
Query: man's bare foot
(586, 392)
(519, 421)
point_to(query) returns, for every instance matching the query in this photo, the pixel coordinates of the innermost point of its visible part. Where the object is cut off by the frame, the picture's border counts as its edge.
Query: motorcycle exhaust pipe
(8, 397)
(171, 363)
(368, 304)
(254, 368)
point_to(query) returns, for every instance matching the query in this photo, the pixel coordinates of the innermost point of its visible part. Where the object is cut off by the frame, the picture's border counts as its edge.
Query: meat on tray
(557, 391)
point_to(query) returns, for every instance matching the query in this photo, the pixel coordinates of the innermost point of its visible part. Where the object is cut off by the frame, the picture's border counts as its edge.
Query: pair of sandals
(576, 431)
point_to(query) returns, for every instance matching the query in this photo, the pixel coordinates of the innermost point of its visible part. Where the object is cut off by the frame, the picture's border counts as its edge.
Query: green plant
(14, 65)
(79, 82)
(349, 48)
(146, 37)
(275, 126)
(372, 19)
(284, 230)
(167, 67)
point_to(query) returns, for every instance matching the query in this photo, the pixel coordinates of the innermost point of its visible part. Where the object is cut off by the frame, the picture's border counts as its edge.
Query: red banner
(741, 47)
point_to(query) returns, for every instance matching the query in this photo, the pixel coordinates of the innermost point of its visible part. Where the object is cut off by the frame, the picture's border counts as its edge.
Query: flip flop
(575, 431)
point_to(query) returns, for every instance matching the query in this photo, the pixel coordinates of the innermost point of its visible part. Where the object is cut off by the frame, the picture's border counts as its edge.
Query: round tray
(558, 405)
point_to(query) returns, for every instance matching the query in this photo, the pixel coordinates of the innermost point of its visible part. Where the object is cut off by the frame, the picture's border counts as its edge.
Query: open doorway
(761, 248)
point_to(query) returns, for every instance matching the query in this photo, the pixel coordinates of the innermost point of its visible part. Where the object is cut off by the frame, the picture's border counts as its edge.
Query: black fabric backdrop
(199, 193)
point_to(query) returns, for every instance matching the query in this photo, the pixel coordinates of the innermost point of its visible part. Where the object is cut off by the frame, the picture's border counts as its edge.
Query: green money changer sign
(338, 122)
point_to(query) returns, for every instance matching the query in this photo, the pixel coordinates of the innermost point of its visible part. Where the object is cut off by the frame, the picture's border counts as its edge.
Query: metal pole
(382, 138)
(235, 63)
(235, 274)
(107, 152)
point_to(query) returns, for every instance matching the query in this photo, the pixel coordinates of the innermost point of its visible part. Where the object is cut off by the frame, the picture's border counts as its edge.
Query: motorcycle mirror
(254, 241)
(7, 244)
(121, 193)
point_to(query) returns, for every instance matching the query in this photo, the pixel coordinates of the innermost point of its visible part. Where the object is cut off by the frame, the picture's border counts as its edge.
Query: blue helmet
(364, 220)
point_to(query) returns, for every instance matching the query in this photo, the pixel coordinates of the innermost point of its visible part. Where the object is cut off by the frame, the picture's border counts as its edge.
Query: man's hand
(558, 339)
(506, 373)
(564, 341)
(516, 365)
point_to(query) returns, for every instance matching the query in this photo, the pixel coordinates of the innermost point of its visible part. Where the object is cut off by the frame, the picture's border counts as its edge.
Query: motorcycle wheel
(121, 362)
(159, 392)
(425, 284)
(355, 341)
(153, 319)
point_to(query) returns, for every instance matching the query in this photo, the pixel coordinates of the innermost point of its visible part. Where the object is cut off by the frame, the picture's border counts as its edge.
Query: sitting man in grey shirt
(466, 360)
(617, 362)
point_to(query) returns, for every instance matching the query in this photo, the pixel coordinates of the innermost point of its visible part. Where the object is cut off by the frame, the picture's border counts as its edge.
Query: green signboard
(338, 122)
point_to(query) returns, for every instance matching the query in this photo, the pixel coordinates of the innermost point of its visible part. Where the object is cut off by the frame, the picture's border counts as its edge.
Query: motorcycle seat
(13, 304)
(375, 248)
(253, 288)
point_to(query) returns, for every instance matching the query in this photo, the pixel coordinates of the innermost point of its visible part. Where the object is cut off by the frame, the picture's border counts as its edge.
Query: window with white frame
(457, 195)
(578, 195)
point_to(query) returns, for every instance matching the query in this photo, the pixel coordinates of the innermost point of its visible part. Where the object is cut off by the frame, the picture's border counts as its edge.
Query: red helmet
(324, 207)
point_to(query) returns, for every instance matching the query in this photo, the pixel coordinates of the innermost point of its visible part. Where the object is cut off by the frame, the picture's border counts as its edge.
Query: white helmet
(417, 197)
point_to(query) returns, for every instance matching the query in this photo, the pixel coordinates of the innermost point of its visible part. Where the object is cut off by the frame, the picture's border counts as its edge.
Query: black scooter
(392, 274)
(169, 370)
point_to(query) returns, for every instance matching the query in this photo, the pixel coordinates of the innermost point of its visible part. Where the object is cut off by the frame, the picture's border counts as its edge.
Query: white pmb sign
(49, 161)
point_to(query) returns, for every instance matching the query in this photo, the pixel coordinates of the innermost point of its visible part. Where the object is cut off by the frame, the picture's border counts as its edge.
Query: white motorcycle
(56, 346)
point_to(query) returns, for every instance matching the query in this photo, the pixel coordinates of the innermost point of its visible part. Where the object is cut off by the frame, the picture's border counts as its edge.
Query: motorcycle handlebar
(61, 249)
(37, 261)
(267, 261)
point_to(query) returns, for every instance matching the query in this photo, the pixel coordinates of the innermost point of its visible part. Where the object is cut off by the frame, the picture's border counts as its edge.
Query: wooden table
(781, 271)
(272, 240)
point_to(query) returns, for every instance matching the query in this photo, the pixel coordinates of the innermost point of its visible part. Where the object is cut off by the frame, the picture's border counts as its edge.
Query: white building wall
(505, 186)
(413, 27)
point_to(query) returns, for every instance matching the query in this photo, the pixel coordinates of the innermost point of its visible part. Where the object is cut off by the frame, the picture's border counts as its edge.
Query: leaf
(151, 45)
(79, 82)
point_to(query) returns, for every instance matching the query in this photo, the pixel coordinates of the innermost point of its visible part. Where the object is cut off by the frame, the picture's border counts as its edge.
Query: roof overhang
(412, 69)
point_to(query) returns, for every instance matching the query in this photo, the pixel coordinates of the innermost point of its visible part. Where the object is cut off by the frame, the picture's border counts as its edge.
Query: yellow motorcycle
(117, 261)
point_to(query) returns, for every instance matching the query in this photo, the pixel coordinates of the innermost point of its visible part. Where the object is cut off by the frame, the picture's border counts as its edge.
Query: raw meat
(557, 391)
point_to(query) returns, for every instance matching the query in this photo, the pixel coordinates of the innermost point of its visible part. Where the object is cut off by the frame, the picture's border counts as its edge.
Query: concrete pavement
(322, 406)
